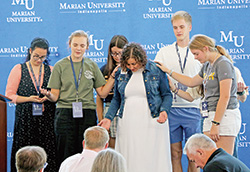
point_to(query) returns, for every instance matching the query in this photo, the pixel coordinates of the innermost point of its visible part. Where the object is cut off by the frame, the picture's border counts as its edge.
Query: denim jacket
(157, 88)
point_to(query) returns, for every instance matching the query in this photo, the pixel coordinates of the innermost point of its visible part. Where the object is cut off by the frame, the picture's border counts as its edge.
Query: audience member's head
(198, 148)
(109, 160)
(96, 138)
(31, 159)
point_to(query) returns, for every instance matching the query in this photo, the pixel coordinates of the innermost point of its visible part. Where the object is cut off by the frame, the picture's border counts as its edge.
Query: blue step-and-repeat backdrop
(144, 21)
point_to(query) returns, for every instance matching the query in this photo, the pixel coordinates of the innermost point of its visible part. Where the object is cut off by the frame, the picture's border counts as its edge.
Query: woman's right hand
(105, 123)
(52, 95)
(115, 70)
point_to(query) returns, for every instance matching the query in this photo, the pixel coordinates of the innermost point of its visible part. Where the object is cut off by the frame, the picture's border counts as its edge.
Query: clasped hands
(37, 99)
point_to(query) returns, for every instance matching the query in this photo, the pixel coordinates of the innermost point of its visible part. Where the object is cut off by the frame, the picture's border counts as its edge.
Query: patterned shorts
(113, 126)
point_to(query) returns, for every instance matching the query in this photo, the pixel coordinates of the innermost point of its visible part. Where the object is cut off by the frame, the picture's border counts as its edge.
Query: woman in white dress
(143, 98)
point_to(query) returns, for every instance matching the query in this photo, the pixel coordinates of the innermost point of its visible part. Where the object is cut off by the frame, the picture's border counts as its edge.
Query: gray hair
(199, 141)
(30, 159)
(96, 137)
(109, 160)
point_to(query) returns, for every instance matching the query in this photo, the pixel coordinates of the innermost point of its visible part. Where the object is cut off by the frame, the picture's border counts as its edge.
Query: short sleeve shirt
(169, 57)
(221, 69)
(62, 78)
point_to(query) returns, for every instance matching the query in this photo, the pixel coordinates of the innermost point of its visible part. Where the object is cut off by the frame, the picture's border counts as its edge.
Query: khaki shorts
(229, 125)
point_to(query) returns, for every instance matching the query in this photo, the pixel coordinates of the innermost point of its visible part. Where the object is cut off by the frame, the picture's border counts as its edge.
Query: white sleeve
(194, 92)
(239, 77)
(159, 56)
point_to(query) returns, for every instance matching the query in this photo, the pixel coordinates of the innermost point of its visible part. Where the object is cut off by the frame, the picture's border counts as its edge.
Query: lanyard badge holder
(182, 67)
(77, 106)
(37, 108)
(181, 86)
(204, 104)
(204, 109)
(77, 109)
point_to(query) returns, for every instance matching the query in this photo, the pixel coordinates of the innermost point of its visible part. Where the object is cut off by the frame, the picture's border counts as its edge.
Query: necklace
(215, 58)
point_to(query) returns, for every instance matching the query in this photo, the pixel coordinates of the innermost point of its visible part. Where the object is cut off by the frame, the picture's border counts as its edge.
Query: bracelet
(171, 72)
(215, 123)
(176, 91)
(112, 76)
(241, 93)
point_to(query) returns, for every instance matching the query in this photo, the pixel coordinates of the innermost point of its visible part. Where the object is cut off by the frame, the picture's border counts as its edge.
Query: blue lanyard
(205, 80)
(79, 77)
(185, 60)
(39, 80)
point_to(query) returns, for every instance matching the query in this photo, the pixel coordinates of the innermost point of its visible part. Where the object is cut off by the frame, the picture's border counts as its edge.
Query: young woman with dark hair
(34, 115)
(114, 54)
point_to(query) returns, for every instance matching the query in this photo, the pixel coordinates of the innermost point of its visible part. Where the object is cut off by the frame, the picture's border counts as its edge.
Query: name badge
(182, 87)
(37, 109)
(204, 109)
(77, 109)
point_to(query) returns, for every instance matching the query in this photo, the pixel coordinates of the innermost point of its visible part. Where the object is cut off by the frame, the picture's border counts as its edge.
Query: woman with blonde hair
(72, 82)
(222, 118)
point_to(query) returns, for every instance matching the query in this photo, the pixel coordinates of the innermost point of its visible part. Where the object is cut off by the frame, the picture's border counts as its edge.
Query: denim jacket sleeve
(116, 100)
(165, 93)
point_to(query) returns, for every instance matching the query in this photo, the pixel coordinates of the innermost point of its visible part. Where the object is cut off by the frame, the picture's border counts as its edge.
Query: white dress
(140, 138)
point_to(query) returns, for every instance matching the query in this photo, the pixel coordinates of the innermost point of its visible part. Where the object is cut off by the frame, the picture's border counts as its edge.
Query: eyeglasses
(44, 166)
(116, 54)
(37, 57)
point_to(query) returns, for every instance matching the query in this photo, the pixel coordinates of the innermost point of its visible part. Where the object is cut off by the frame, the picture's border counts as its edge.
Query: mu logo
(210, 77)
(28, 5)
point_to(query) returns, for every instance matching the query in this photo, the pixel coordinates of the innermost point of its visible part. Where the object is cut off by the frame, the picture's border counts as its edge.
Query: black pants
(69, 131)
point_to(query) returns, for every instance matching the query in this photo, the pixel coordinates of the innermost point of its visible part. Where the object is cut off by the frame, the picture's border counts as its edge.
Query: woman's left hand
(45, 92)
(241, 87)
(214, 133)
(162, 117)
